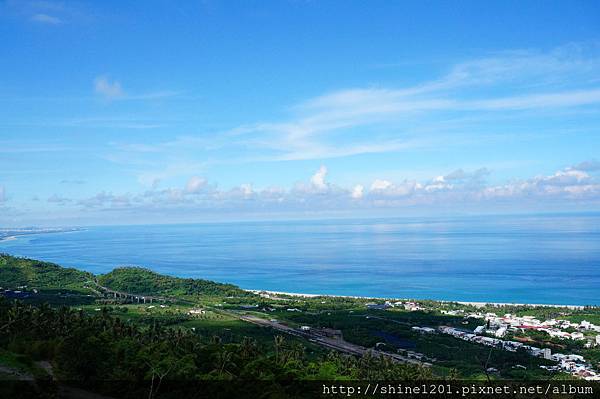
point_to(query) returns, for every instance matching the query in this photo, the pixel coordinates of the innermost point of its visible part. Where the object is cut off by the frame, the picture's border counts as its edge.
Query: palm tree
(248, 348)
(297, 351)
(278, 344)
(223, 360)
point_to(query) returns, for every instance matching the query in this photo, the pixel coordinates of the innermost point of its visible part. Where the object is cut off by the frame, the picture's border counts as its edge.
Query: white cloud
(246, 190)
(438, 184)
(463, 189)
(387, 189)
(357, 191)
(380, 185)
(195, 185)
(564, 184)
(2, 194)
(566, 177)
(46, 19)
(318, 179)
(109, 90)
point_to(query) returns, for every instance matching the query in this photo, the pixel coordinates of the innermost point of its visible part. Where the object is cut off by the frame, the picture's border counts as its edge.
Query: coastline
(468, 303)
(16, 233)
(280, 261)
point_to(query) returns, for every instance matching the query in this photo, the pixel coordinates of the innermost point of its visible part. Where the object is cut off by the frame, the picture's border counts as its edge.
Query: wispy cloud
(108, 89)
(195, 185)
(46, 19)
(23, 146)
(73, 181)
(111, 89)
(459, 108)
(47, 12)
(59, 200)
(384, 119)
(587, 166)
(537, 101)
(469, 87)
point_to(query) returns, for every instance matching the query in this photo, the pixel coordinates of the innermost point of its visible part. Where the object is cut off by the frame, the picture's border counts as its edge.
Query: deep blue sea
(523, 259)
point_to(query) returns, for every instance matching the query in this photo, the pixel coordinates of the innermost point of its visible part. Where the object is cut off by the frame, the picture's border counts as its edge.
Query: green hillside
(143, 281)
(15, 272)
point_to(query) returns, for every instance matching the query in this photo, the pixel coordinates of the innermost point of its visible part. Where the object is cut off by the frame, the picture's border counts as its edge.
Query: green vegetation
(74, 322)
(143, 281)
(394, 328)
(582, 315)
(106, 354)
(18, 272)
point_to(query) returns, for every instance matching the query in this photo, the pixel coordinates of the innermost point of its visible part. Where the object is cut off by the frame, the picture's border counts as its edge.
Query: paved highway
(333, 343)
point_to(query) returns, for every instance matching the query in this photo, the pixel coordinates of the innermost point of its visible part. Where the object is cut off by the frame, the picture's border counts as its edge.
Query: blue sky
(114, 112)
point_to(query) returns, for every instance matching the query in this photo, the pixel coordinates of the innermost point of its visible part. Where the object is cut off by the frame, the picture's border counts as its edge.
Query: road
(338, 344)
(314, 336)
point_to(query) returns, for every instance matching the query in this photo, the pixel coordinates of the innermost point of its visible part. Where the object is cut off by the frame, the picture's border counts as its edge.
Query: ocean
(522, 259)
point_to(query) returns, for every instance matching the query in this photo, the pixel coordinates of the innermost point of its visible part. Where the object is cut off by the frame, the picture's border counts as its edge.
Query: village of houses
(496, 327)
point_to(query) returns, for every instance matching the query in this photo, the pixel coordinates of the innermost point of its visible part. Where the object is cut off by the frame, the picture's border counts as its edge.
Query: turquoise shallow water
(525, 259)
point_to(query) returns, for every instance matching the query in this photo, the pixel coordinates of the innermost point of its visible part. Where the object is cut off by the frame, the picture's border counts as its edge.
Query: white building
(424, 330)
(547, 353)
(576, 335)
(586, 325)
(501, 332)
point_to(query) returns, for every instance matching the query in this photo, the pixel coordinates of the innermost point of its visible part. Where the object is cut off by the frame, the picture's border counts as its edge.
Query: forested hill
(16, 272)
(143, 281)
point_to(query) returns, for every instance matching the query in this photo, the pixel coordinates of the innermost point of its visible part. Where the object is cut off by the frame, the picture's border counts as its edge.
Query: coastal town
(560, 342)
(467, 340)
(569, 363)
(495, 327)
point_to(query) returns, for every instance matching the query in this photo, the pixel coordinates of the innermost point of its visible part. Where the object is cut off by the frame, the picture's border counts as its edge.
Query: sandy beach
(476, 304)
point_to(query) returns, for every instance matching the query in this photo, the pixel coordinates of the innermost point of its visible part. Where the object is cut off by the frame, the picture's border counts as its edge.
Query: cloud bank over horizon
(104, 121)
(577, 185)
